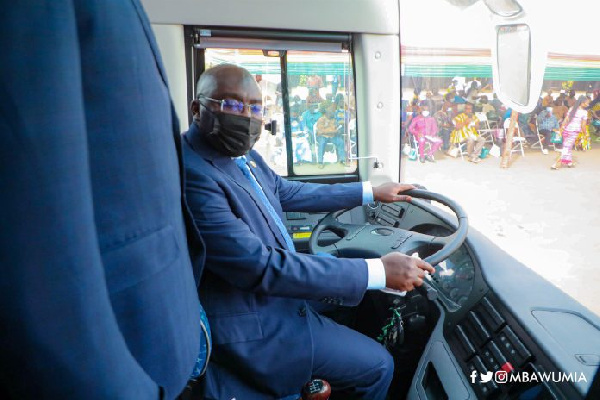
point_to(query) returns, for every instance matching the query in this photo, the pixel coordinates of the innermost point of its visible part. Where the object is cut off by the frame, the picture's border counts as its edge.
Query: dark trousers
(547, 135)
(355, 365)
(338, 142)
(444, 133)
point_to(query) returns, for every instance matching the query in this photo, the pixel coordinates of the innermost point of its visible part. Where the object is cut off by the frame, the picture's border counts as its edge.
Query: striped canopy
(447, 63)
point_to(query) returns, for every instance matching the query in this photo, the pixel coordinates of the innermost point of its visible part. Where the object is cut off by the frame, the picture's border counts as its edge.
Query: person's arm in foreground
(59, 336)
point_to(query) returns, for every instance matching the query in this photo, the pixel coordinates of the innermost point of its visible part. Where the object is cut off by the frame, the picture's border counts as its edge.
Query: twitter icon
(486, 377)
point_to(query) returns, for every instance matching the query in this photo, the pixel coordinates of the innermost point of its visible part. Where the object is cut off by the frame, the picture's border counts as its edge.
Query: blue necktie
(243, 165)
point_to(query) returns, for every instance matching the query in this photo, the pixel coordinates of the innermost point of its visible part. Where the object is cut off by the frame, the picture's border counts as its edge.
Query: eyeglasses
(237, 107)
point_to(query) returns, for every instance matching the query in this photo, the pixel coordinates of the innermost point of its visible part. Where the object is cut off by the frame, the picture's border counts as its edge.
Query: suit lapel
(261, 178)
(232, 172)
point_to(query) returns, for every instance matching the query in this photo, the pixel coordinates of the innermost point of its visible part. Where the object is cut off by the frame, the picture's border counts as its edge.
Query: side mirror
(519, 62)
(518, 55)
(513, 62)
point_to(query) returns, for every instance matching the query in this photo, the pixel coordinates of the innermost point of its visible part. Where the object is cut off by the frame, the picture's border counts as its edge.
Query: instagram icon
(501, 376)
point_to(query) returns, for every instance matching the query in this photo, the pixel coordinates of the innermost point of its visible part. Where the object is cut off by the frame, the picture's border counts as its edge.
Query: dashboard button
(468, 350)
(295, 215)
(512, 346)
(507, 367)
(490, 357)
(382, 232)
(477, 330)
(383, 220)
(477, 365)
(394, 210)
(484, 389)
(497, 353)
(490, 316)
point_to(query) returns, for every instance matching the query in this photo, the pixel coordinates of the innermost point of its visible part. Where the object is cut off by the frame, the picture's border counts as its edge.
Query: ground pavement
(549, 220)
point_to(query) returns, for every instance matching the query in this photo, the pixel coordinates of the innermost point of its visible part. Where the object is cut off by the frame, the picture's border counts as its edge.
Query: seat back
(517, 129)
(483, 120)
(517, 140)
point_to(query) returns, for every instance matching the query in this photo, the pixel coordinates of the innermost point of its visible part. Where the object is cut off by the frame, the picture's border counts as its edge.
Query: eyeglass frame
(244, 106)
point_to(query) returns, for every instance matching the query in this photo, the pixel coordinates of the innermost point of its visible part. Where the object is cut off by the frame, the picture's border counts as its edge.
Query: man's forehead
(235, 82)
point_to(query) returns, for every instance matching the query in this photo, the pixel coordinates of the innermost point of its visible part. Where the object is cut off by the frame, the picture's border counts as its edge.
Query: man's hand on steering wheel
(403, 272)
(390, 192)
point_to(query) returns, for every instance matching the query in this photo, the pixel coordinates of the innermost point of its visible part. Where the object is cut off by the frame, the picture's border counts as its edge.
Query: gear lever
(317, 389)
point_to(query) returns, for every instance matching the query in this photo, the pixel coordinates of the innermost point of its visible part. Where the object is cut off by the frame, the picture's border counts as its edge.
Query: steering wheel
(378, 240)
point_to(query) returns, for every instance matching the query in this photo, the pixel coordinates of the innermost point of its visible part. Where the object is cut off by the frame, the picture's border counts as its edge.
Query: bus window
(310, 95)
(267, 72)
(322, 112)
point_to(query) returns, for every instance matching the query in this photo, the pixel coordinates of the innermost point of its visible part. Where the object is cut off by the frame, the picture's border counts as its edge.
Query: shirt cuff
(367, 193)
(376, 273)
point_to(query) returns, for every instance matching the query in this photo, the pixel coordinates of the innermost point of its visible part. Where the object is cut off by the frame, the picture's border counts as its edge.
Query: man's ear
(195, 107)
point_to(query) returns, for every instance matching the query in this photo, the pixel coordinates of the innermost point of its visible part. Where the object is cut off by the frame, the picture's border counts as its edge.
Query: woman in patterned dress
(573, 125)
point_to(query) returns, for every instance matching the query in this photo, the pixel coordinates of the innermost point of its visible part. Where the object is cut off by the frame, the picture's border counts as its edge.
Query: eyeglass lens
(236, 106)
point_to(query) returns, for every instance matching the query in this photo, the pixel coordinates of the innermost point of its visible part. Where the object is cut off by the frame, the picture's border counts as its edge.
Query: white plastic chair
(460, 146)
(485, 130)
(539, 141)
(517, 140)
(415, 144)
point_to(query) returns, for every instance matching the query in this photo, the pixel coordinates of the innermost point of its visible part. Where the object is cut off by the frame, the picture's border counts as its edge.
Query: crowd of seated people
(320, 124)
(550, 114)
(449, 124)
(458, 113)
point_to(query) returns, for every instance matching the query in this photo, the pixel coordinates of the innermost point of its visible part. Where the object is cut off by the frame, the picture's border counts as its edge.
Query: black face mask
(233, 135)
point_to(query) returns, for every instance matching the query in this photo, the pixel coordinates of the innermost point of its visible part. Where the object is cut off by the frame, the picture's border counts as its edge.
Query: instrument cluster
(454, 278)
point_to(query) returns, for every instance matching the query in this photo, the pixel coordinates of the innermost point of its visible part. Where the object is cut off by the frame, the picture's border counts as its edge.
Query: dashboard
(484, 325)
(454, 278)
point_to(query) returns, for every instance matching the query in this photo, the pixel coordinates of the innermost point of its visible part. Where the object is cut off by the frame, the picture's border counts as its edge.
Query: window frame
(198, 38)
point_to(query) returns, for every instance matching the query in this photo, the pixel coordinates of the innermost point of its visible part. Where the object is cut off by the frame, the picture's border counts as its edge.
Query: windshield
(535, 197)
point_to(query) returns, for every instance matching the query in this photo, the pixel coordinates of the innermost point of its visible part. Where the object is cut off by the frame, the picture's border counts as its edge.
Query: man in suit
(97, 291)
(268, 340)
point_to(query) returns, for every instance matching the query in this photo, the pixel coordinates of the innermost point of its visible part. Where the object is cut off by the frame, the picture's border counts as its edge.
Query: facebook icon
(473, 376)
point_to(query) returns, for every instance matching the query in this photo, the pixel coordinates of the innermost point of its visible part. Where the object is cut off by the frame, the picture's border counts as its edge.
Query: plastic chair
(414, 144)
(518, 140)
(330, 153)
(539, 142)
(460, 146)
(483, 120)
(485, 130)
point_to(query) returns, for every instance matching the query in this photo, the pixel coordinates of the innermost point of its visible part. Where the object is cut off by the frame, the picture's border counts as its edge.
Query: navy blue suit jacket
(97, 293)
(254, 289)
